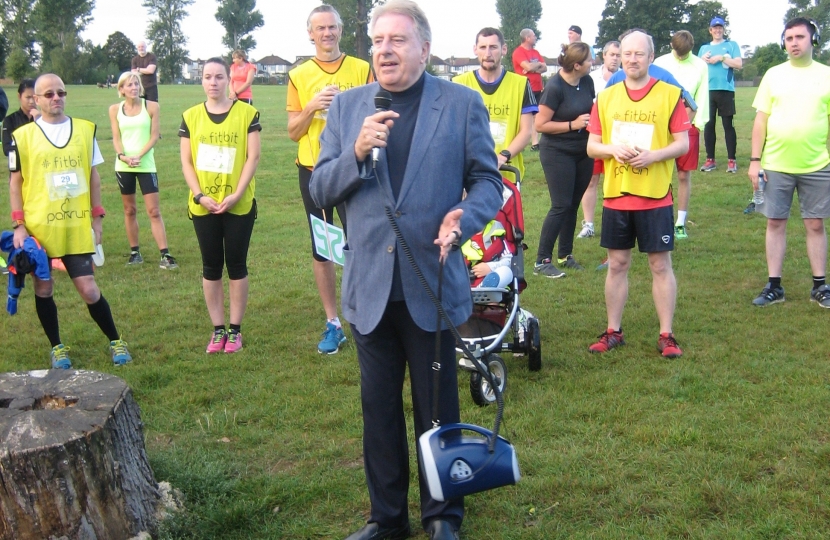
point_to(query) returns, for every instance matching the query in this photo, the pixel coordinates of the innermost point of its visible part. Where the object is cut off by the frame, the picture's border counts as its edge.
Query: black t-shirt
(11, 123)
(184, 131)
(567, 103)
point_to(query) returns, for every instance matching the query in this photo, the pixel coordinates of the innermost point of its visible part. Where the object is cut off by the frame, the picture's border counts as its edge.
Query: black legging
(568, 176)
(223, 241)
(709, 137)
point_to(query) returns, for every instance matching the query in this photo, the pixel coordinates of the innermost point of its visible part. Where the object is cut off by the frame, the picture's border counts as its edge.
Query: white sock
(589, 224)
(336, 322)
(681, 218)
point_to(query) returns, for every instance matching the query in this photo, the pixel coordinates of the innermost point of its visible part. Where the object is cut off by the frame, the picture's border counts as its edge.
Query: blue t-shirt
(721, 77)
(661, 74)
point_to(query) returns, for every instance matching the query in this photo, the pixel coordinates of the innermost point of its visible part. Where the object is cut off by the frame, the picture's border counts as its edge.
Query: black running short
(651, 230)
(149, 182)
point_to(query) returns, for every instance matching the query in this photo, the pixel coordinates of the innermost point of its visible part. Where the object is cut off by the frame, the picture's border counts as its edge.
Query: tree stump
(72, 458)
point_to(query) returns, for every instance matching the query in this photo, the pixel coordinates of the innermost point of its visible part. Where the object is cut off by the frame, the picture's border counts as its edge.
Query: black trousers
(568, 175)
(383, 355)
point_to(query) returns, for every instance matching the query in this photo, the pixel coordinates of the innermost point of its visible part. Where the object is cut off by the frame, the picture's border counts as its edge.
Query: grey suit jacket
(452, 151)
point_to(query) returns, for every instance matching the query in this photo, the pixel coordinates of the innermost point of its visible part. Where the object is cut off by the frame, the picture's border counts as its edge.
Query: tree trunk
(72, 458)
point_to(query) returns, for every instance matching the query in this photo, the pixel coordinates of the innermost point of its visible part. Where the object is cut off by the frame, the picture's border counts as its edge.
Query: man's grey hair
(613, 43)
(407, 8)
(325, 8)
(649, 40)
(526, 33)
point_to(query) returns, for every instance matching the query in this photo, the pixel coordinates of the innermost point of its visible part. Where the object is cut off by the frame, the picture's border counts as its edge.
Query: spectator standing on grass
(693, 75)
(220, 148)
(575, 36)
(563, 117)
(311, 88)
(610, 65)
(438, 148)
(145, 64)
(242, 77)
(528, 62)
(22, 116)
(507, 96)
(789, 140)
(55, 194)
(723, 56)
(135, 131)
(638, 128)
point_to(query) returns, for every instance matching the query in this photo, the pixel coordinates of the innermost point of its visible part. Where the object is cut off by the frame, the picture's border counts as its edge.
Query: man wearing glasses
(55, 194)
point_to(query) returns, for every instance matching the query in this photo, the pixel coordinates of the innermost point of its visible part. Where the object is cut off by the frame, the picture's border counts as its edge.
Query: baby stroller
(496, 310)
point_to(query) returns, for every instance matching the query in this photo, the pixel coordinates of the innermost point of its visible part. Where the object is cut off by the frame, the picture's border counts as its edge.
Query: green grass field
(730, 441)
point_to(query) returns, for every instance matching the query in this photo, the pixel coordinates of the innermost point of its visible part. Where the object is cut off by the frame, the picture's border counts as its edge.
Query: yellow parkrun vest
(505, 108)
(644, 124)
(309, 79)
(219, 153)
(56, 199)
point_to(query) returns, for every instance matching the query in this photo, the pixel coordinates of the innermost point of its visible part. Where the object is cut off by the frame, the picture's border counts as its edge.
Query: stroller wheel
(533, 341)
(480, 389)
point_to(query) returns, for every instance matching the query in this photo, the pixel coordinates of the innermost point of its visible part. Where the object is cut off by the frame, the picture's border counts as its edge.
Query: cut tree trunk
(72, 458)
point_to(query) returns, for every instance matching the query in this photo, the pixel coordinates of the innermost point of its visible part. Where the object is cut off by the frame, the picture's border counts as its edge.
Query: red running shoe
(608, 340)
(668, 346)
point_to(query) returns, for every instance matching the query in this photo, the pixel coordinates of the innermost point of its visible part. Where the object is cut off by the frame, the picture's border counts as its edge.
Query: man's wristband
(98, 211)
(754, 159)
(17, 215)
(17, 223)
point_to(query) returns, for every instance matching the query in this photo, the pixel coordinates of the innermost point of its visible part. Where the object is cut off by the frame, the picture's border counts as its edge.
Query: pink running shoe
(234, 343)
(217, 342)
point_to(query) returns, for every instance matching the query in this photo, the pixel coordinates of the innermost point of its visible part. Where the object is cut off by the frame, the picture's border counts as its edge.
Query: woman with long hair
(242, 77)
(220, 151)
(135, 131)
(562, 121)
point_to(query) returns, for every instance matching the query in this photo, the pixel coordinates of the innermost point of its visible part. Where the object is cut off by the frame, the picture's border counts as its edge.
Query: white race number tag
(498, 129)
(217, 159)
(632, 134)
(65, 180)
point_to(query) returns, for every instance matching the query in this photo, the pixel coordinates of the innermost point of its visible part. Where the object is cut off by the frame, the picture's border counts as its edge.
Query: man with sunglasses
(55, 193)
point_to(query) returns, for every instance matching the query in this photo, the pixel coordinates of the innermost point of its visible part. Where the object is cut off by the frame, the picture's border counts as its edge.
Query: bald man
(638, 128)
(145, 64)
(55, 195)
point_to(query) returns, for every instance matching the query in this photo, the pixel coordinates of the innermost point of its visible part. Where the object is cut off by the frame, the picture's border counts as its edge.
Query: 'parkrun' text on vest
(66, 214)
(622, 168)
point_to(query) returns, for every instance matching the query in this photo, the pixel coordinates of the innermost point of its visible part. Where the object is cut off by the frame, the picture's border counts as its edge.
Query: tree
(516, 15)
(19, 33)
(240, 18)
(165, 32)
(120, 50)
(767, 56)
(59, 22)
(660, 18)
(699, 17)
(355, 16)
(819, 10)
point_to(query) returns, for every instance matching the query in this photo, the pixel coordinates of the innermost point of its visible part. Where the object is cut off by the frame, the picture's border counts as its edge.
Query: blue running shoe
(333, 338)
(120, 354)
(60, 357)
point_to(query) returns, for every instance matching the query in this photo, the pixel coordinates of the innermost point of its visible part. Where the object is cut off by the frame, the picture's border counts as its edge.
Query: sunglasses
(49, 95)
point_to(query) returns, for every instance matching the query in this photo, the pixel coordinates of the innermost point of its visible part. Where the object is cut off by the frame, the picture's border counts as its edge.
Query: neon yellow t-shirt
(797, 100)
(693, 75)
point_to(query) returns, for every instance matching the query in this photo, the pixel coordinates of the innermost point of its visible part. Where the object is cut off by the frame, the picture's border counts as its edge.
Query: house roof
(273, 60)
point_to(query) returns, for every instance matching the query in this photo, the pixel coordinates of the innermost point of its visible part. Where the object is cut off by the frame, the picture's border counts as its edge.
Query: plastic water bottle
(758, 196)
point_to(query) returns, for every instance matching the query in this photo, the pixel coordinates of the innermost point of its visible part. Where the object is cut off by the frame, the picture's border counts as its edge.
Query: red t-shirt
(524, 55)
(679, 122)
(239, 74)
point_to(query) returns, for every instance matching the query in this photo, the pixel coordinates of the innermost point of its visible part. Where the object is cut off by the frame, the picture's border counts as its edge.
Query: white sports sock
(681, 218)
(336, 322)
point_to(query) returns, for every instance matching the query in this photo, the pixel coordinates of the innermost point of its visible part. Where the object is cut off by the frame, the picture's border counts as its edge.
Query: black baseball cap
(575, 28)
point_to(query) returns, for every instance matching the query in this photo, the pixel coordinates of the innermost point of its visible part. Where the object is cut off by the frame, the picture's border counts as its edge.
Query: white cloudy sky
(454, 24)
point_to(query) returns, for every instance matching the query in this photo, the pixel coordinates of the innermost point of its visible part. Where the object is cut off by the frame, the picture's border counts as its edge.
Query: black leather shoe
(442, 530)
(373, 531)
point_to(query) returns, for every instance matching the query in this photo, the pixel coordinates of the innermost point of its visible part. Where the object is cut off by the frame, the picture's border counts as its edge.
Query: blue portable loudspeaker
(456, 465)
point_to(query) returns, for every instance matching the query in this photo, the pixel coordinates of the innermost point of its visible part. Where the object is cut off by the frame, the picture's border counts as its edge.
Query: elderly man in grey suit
(434, 144)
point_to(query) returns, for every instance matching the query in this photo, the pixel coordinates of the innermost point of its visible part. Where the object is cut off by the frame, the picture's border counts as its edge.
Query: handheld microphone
(383, 100)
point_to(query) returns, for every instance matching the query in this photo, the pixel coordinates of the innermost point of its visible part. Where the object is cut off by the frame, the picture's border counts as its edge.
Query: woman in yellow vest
(220, 150)
(135, 131)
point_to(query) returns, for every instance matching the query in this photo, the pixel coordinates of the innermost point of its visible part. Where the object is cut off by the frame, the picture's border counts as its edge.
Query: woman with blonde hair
(135, 131)
(219, 152)
(242, 77)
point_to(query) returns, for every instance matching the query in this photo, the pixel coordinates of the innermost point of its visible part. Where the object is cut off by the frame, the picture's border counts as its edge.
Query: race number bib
(632, 134)
(217, 159)
(498, 129)
(66, 184)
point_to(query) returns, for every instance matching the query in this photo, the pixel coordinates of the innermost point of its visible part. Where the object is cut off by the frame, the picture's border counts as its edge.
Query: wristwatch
(506, 153)
(17, 223)
(198, 197)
